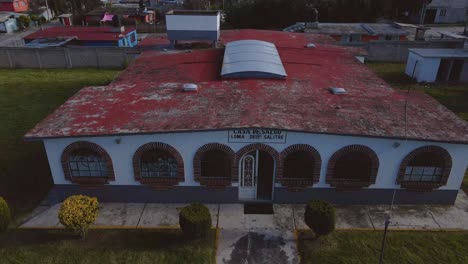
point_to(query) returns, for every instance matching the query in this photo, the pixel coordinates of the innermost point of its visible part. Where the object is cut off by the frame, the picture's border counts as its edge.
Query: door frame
(273, 177)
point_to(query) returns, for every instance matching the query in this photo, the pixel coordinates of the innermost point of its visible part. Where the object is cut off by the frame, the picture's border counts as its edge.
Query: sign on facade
(257, 136)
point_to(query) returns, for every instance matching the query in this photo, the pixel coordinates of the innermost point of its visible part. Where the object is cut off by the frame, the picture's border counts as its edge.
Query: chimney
(420, 31)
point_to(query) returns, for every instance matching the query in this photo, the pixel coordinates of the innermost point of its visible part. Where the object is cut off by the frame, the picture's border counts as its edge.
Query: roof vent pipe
(190, 87)
(337, 90)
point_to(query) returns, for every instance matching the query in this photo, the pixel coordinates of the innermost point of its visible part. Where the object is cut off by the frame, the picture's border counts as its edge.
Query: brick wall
(66, 57)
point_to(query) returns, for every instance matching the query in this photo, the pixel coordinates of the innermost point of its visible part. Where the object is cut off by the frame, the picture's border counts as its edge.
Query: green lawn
(402, 247)
(453, 96)
(105, 246)
(26, 97)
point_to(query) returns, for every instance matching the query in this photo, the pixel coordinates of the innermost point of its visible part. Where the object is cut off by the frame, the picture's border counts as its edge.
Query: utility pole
(423, 12)
(465, 31)
(387, 222)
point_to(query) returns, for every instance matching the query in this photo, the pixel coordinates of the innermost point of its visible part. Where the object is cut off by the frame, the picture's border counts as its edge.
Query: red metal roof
(83, 33)
(148, 97)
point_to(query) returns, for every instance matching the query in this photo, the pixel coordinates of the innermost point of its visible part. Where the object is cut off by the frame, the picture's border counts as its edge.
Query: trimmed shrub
(5, 215)
(320, 217)
(24, 20)
(77, 213)
(195, 220)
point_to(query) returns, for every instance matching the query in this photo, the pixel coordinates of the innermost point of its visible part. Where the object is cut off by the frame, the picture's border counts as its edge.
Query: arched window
(301, 166)
(353, 166)
(425, 168)
(298, 165)
(85, 162)
(158, 164)
(213, 165)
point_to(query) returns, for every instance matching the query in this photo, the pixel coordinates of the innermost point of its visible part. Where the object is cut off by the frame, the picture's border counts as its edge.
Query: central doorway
(256, 173)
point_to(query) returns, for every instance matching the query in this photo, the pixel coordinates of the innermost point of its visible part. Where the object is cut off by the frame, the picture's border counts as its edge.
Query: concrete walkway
(266, 238)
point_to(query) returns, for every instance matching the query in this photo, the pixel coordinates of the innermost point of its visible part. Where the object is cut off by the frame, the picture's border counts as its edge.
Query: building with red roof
(89, 36)
(268, 117)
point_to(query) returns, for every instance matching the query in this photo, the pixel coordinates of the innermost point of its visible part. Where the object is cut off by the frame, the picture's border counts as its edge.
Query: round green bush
(78, 212)
(5, 215)
(320, 217)
(195, 220)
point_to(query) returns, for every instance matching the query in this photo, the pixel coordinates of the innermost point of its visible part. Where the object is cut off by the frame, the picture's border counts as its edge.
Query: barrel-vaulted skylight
(252, 59)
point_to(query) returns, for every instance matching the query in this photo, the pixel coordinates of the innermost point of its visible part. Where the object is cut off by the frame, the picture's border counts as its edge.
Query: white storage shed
(438, 65)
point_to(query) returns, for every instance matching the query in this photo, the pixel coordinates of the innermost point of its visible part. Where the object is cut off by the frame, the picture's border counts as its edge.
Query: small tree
(5, 215)
(320, 217)
(78, 212)
(195, 220)
(35, 19)
(24, 20)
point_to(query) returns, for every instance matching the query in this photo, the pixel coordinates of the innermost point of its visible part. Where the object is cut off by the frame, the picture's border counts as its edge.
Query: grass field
(26, 97)
(415, 247)
(105, 246)
(453, 96)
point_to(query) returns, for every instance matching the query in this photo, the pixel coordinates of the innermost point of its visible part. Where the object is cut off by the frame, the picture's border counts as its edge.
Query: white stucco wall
(426, 68)
(188, 143)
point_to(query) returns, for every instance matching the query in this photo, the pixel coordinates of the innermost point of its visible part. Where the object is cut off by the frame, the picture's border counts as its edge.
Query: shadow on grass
(128, 239)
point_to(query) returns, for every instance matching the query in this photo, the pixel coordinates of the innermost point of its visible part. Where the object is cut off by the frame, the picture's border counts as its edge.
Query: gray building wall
(464, 73)
(190, 194)
(397, 51)
(66, 57)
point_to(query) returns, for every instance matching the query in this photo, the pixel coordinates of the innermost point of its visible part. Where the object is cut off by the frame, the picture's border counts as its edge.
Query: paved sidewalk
(267, 238)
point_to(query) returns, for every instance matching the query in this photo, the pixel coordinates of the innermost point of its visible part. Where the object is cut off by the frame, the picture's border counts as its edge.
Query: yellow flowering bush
(78, 212)
(4, 215)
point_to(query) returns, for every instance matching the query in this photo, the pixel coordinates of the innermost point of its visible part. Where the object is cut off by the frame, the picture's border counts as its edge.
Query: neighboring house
(254, 121)
(128, 15)
(355, 32)
(47, 14)
(14, 5)
(438, 65)
(8, 23)
(66, 19)
(90, 36)
(446, 11)
(51, 42)
(193, 25)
